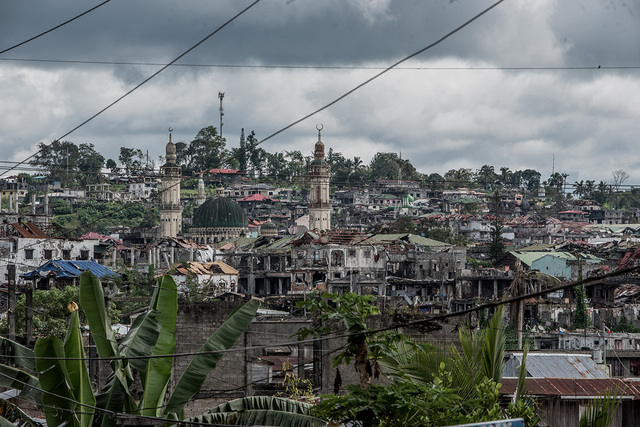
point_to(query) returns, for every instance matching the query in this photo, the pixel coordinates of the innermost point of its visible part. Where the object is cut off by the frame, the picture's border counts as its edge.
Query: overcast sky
(527, 81)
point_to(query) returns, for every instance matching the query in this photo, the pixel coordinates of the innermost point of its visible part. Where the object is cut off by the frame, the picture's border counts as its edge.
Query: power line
(54, 28)
(326, 67)
(446, 36)
(340, 334)
(145, 80)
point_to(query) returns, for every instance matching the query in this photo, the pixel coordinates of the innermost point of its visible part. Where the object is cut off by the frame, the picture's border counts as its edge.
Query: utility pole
(11, 302)
(221, 96)
(28, 312)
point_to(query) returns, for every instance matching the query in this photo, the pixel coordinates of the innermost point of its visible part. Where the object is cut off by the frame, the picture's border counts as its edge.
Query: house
(60, 273)
(213, 278)
(563, 265)
(573, 216)
(27, 246)
(554, 365)
(562, 400)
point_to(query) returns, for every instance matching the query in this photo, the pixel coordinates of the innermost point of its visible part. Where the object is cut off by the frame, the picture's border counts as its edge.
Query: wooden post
(11, 302)
(28, 312)
(300, 361)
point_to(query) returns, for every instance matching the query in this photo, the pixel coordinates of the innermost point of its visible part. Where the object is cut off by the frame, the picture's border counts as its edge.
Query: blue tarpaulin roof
(62, 268)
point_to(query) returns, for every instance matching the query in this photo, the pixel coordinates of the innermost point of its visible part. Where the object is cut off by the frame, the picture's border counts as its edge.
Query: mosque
(220, 218)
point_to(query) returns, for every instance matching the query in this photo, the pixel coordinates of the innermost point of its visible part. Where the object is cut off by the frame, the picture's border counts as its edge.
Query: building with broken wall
(28, 247)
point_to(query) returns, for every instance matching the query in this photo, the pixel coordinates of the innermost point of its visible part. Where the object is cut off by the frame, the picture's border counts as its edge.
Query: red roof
(223, 171)
(573, 212)
(256, 198)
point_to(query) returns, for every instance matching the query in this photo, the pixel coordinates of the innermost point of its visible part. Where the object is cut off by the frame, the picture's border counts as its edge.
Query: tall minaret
(201, 195)
(319, 203)
(171, 209)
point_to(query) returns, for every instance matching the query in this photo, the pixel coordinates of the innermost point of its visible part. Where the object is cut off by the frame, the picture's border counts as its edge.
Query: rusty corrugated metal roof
(573, 387)
(30, 230)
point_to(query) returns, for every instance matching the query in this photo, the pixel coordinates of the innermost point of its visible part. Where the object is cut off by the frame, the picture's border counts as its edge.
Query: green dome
(219, 212)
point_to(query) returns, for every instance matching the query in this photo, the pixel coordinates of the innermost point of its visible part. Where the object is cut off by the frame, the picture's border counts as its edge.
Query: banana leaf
(78, 374)
(57, 399)
(261, 410)
(11, 415)
(140, 340)
(11, 377)
(115, 395)
(17, 354)
(200, 366)
(92, 303)
(159, 369)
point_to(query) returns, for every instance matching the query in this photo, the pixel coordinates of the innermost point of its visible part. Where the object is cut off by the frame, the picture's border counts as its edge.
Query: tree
(579, 188)
(90, 163)
(496, 245)
(131, 160)
(458, 177)
(619, 178)
(66, 393)
(432, 386)
(486, 177)
(403, 224)
(531, 180)
(580, 316)
(58, 159)
(352, 310)
(112, 165)
(50, 318)
(391, 166)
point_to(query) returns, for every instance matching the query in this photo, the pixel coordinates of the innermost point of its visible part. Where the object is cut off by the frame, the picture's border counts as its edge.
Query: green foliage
(99, 216)
(511, 338)
(434, 230)
(403, 224)
(600, 412)
(50, 311)
(391, 166)
(260, 410)
(349, 308)
(410, 403)
(68, 163)
(580, 316)
(294, 387)
(475, 263)
(63, 377)
(63, 371)
(625, 326)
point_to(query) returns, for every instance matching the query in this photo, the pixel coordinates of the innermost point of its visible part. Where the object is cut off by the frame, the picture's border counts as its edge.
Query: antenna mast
(221, 96)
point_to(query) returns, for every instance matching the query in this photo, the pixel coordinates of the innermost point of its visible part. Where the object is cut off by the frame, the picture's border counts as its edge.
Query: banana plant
(260, 410)
(62, 387)
(152, 341)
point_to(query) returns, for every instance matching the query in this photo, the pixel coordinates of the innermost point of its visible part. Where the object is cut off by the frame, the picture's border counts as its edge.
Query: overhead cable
(144, 81)
(54, 28)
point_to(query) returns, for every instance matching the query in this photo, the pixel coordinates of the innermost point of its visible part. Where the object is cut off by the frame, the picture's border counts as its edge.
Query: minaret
(201, 196)
(319, 174)
(171, 209)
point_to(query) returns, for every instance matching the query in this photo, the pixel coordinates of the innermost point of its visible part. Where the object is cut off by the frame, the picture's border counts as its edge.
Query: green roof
(219, 212)
(412, 238)
(529, 257)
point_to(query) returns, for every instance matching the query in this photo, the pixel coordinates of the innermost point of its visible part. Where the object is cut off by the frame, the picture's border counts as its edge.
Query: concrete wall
(233, 376)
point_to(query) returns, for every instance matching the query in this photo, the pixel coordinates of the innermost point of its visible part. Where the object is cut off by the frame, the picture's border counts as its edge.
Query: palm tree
(579, 188)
